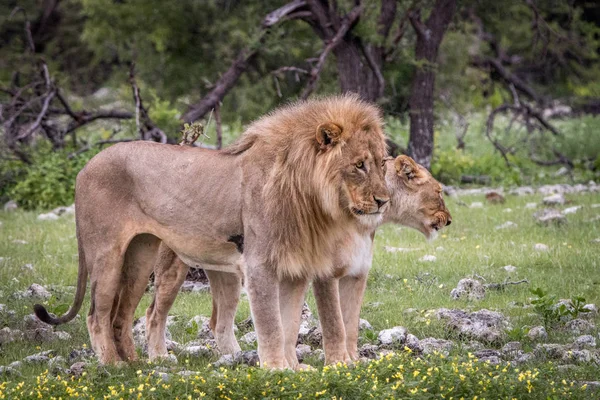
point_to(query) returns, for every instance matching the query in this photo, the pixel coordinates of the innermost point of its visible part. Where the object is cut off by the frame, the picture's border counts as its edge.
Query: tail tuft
(43, 315)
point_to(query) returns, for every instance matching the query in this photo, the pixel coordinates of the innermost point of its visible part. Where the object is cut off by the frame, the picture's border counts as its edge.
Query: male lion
(416, 201)
(294, 182)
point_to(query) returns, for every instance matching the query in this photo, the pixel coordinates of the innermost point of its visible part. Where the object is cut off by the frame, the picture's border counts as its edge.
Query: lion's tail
(82, 275)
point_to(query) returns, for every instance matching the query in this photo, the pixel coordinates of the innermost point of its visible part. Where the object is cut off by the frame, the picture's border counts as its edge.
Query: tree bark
(429, 37)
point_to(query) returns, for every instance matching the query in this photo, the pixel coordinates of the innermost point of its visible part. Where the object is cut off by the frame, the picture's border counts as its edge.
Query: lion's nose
(380, 202)
(448, 221)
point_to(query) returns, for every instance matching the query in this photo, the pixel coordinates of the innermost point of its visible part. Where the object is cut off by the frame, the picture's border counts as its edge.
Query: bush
(50, 181)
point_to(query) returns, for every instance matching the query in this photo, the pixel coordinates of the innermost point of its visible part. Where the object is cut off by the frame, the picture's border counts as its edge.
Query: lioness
(416, 201)
(294, 182)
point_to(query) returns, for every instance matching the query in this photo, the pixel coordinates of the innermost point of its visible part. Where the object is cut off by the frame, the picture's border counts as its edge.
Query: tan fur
(416, 202)
(290, 185)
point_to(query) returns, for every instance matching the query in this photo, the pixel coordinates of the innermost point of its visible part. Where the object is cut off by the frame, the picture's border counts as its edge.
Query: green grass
(471, 245)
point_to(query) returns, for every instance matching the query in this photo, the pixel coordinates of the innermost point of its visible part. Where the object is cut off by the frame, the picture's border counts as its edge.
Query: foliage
(50, 181)
(552, 312)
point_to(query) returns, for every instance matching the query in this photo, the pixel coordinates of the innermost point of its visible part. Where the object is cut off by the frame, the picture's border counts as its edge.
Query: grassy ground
(401, 290)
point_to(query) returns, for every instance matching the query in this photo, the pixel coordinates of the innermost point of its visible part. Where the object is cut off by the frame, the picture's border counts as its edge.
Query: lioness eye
(360, 165)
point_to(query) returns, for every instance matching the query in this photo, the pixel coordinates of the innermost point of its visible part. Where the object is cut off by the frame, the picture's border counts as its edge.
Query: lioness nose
(448, 221)
(380, 202)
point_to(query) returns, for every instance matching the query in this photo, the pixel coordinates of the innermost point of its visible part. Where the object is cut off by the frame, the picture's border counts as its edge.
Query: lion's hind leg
(106, 267)
(225, 288)
(139, 261)
(169, 274)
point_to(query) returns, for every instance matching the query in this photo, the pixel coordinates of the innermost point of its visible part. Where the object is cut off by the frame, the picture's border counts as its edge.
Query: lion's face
(416, 197)
(363, 192)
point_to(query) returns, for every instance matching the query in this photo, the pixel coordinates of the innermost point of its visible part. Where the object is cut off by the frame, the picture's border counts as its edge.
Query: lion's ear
(406, 166)
(328, 135)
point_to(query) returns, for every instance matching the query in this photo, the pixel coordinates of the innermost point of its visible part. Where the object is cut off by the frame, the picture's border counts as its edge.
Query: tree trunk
(355, 75)
(429, 37)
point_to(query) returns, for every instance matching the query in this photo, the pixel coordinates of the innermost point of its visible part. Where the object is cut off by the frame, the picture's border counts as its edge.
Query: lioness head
(363, 193)
(416, 197)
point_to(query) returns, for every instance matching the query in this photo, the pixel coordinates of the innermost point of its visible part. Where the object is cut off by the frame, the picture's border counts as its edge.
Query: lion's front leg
(263, 294)
(291, 299)
(332, 323)
(352, 290)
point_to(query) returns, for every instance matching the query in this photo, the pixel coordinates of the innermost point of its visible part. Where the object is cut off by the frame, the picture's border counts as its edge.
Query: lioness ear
(406, 166)
(328, 135)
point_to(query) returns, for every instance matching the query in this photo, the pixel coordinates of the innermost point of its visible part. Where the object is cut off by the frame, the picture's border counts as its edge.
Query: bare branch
(40, 117)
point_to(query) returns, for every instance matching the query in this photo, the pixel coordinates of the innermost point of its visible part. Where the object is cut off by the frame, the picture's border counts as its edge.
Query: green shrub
(50, 181)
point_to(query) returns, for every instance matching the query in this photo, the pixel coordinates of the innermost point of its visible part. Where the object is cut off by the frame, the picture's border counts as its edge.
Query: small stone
(595, 206)
(369, 351)
(188, 373)
(10, 206)
(555, 199)
(19, 241)
(431, 345)
(77, 368)
(81, 354)
(522, 191)
(507, 225)
(249, 338)
(577, 356)
(531, 205)
(590, 309)
(363, 324)
(510, 268)
(162, 376)
(489, 356)
(38, 291)
(61, 335)
(541, 247)
(395, 335)
(27, 268)
(584, 341)
(197, 351)
(428, 258)
(537, 333)
(507, 210)
(524, 358)
(571, 210)
(412, 342)
(511, 349)
(47, 217)
(56, 362)
(8, 371)
(8, 335)
(303, 351)
(483, 325)
(39, 358)
(472, 289)
(225, 361)
(548, 216)
(579, 326)
(476, 204)
(391, 249)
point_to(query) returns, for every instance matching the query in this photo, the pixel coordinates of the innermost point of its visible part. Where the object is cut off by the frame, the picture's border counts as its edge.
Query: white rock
(472, 289)
(10, 206)
(507, 210)
(428, 258)
(531, 205)
(391, 249)
(396, 334)
(61, 335)
(47, 217)
(554, 199)
(510, 268)
(506, 225)
(571, 210)
(364, 324)
(439, 248)
(250, 337)
(19, 241)
(595, 205)
(548, 215)
(27, 267)
(541, 247)
(476, 204)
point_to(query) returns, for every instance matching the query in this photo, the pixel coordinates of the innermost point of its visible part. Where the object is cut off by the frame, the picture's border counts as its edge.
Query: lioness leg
(263, 294)
(105, 277)
(332, 322)
(291, 299)
(169, 274)
(139, 260)
(352, 290)
(225, 288)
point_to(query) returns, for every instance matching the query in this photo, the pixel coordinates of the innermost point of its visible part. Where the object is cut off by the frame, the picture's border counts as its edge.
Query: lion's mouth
(359, 212)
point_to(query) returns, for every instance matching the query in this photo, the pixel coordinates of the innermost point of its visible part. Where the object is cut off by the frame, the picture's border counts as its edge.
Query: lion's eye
(360, 165)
